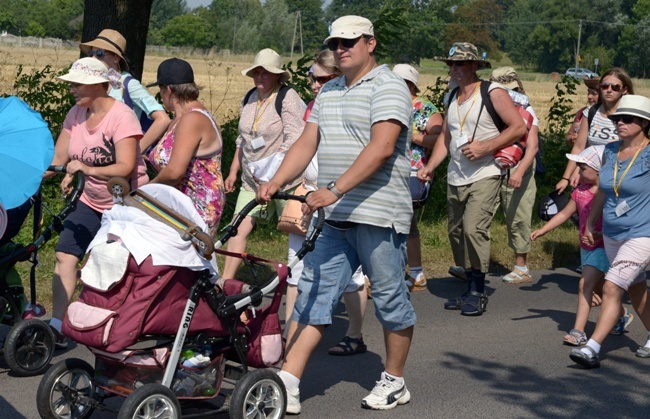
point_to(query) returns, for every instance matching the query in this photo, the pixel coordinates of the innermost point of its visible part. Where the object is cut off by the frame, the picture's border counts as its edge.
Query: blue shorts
(380, 251)
(596, 258)
(79, 229)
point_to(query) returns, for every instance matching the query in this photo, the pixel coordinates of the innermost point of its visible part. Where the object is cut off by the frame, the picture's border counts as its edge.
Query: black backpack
(279, 98)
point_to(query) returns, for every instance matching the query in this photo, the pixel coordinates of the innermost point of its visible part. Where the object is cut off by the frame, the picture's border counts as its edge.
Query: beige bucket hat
(408, 73)
(350, 27)
(464, 51)
(87, 71)
(270, 61)
(109, 40)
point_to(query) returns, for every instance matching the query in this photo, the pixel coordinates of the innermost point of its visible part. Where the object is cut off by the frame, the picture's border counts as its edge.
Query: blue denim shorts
(381, 252)
(596, 258)
(79, 229)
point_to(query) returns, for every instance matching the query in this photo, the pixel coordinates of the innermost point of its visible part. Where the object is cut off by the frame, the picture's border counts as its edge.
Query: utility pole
(293, 39)
(578, 51)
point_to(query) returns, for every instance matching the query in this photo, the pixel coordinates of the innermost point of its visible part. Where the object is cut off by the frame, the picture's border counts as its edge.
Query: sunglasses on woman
(99, 53)
(323, 79)
(615, 87)
(626, 119)
(333, 44)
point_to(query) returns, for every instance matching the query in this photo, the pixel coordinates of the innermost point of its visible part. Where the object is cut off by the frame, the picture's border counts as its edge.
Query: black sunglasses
(615, 87)
(99, 53)
(626, 119)
(456, 63)
(323, 79)
(333, 44)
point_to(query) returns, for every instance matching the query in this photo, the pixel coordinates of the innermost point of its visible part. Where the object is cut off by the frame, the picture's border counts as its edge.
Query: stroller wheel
(151, 401)
(259, 393)
(29, 347)
(63, 388)
(118, 186)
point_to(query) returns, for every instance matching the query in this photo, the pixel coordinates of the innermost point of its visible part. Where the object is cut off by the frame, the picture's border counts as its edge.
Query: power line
(540, 22)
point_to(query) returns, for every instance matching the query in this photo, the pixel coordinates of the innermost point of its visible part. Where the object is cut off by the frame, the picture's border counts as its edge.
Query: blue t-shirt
(634, 190)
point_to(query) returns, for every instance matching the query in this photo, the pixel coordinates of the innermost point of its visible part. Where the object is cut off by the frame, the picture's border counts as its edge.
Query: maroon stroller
(163, 333)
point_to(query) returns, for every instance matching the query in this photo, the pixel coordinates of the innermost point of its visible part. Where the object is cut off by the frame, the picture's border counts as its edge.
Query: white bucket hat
(408, 73)
(350, 27)
(87, 70)
(270, 61)
(635, 105)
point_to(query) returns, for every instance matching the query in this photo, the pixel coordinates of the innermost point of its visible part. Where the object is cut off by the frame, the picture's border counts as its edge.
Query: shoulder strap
(489, 106)
(280, 98)
(453, 94)
(592, 113)
(125, 93)
(248, 95)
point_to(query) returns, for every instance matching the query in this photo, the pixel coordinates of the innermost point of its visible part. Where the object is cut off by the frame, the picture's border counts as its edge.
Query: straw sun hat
(87, 71)
(108, 40)
(635, 105)
(270, 61)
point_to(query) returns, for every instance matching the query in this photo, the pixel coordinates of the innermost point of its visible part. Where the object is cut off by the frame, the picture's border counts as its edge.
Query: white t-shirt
(602, 129)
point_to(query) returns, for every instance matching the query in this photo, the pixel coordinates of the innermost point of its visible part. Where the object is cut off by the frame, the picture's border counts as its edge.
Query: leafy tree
(634, 58)
(367, 8)
(472, 24)
(235, 23)
(162, 11)
(314, 28)
(276, 29)
(187, 30)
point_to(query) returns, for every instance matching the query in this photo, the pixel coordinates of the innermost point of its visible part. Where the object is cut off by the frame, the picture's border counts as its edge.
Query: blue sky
(196, 3)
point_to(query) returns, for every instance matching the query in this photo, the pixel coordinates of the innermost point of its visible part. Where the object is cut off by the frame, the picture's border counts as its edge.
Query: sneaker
(386, 395)
(60, 341)
(293, 403)
(33, 311)
(621, 325)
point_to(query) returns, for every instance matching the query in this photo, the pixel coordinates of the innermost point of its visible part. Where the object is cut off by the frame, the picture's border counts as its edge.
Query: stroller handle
(231, 230)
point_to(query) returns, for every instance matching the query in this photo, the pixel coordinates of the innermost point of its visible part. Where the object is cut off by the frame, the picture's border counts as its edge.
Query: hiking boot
(60, 341)
(293, 403)
(621, 325)
(386, 395)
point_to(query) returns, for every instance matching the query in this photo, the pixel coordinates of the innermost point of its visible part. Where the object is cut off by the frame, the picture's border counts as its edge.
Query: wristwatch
(332, 188)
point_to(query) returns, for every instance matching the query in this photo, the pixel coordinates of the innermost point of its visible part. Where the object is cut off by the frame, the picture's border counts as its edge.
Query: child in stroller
(158, 326)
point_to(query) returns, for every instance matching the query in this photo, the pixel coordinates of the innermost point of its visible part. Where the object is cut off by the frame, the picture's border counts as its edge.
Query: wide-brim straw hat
(592, 83)
(408, 73)
(270, 61)
(464, 51)
(635, 105)
(505, 76)
(108, 40)
(86, 70)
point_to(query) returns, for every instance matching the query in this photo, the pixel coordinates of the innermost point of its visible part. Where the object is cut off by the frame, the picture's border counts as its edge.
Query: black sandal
(474, 304)
(455, 303)
(346, 347)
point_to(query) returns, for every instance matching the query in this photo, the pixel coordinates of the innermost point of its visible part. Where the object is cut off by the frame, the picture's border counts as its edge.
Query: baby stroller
(29, 345)
(162, 333)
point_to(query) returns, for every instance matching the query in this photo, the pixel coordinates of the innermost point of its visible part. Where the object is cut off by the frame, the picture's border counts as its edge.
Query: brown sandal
(344, 347)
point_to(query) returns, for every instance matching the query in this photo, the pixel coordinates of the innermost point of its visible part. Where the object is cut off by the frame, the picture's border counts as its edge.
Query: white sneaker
(293, 403)
(386, 395)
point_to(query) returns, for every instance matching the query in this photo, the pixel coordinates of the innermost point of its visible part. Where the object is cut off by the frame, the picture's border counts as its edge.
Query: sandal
(586, 360)
(458, 272)
(455, 303)
(419, 284)
(344, 347)
(517, 276)
(575, 337)
(474, 304)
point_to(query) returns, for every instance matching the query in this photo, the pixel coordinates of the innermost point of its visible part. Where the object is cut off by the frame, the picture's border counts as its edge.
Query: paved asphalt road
(510, 362)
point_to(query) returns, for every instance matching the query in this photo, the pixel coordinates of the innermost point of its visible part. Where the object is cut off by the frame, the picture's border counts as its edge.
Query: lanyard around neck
(258, 114)
(627, 169)
(462, 120)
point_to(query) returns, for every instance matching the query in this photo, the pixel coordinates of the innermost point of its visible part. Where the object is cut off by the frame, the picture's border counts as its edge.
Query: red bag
(510, 156)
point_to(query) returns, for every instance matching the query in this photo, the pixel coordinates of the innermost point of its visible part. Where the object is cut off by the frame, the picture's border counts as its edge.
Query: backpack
(592, 113)
(279, 98)
(145, 122)
(509, 156)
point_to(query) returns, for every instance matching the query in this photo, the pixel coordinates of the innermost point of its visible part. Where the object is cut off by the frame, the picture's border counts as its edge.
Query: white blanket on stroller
(144, 236)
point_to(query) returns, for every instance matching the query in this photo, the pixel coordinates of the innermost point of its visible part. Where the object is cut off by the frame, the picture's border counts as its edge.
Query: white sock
(415, 271)
(291, 382)
(398, 380)
(522, 268)
(56, 324)
(593, 345)
(647, 344)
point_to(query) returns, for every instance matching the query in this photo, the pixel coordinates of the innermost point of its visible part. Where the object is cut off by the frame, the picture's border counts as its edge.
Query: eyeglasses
(615, 87)
(456, 63)
(333, 44)
(322, 80)
(626, 119)
(99, 53)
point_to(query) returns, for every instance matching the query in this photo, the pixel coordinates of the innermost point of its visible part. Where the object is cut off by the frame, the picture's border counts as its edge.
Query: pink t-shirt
(96, 147)
(583, 199)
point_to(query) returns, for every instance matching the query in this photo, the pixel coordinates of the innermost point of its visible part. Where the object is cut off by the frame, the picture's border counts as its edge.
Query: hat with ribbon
(350, 27)
(464, 51)
(108, 40)
(591, 156)
(635, 105)
(89, 70)
(270, 61)
(408, 73)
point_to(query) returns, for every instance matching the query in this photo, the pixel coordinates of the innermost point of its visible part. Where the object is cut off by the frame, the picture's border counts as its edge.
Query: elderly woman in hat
(622, 200)
(109, 47)
(271, 121)
(189, 154)
(99, 139)
(473, 178)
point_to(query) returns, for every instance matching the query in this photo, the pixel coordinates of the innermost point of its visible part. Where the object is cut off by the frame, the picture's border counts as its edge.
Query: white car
(580, 73)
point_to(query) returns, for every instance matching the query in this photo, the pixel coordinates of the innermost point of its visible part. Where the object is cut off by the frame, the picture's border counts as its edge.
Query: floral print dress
(202, 182)
(422, 111)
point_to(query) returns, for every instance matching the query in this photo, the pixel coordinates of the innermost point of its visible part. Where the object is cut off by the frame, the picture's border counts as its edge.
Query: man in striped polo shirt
(360, 125)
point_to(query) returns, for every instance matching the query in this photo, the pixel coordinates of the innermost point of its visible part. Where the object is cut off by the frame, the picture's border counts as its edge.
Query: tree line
(540, 35)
